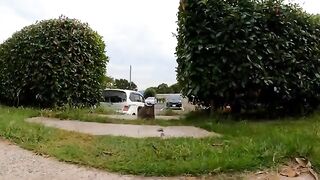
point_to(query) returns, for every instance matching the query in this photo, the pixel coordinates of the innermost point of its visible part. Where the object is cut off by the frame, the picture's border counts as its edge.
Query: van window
(174, 98)
(134, 97)
(114, 96)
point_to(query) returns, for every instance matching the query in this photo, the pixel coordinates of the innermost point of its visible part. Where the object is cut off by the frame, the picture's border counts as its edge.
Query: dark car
(174, 102)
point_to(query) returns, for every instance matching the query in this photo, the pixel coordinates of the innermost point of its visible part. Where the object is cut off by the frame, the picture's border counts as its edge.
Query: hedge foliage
(149, 92)
(53, 63)
(249, 54)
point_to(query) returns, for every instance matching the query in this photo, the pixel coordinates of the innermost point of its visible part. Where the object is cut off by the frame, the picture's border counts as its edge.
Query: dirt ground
(136, 131)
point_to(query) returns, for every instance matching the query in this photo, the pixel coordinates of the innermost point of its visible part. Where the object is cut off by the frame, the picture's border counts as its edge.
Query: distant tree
(163, 89)
(108, 82)
(124, 84)
(316, 18)
(149, 92)
(175, 88)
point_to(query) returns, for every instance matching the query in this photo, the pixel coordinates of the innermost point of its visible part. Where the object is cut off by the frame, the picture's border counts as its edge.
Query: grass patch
(245, 145)
(88, 115)
(169, 112)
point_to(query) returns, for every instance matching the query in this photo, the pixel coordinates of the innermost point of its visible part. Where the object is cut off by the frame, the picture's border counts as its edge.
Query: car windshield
(114, 96)
(174, 98)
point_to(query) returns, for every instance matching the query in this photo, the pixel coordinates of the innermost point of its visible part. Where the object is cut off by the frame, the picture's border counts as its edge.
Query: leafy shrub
(149, 92)
(124, 84)
(249, 54)
(53, 63)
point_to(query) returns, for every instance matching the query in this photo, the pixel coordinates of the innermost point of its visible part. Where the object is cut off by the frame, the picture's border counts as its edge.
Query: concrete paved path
(136, 131)
(130, 117)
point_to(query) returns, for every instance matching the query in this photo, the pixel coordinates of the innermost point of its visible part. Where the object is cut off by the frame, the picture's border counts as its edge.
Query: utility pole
(130, 77)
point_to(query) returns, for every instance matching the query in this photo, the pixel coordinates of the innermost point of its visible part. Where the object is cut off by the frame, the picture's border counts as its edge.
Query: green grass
(245, 145)
(169, 112)
(92, 115)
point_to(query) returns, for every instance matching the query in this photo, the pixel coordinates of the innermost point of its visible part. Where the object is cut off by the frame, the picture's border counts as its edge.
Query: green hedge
(53, 63)
(249, 54)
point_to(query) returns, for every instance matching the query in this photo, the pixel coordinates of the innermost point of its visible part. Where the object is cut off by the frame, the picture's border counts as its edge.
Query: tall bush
(149, 92)
(249, 54)
(124, 84)
(53, 63)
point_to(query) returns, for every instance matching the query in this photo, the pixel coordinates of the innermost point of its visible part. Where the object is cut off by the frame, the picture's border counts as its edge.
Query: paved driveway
(137, 131)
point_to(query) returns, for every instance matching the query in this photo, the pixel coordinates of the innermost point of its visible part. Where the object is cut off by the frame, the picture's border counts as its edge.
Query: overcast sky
(136, 32)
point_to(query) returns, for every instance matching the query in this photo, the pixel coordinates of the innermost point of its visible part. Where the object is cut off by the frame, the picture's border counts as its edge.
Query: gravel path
(17, 163)
(137, 131)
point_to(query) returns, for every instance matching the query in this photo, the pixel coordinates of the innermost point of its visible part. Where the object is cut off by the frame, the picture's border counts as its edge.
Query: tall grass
(245, 145)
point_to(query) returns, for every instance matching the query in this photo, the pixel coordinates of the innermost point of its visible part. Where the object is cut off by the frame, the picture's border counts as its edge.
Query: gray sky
(136, 32)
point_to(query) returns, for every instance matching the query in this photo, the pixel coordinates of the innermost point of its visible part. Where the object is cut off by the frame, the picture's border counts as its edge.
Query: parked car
(151, 101)
(174, 102)
(123, 101)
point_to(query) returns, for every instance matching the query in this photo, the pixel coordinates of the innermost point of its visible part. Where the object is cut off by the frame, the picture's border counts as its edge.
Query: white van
(123, 101)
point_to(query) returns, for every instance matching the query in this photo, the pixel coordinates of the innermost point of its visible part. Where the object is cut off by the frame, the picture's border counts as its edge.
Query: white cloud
(311, 6)
(10, 22)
